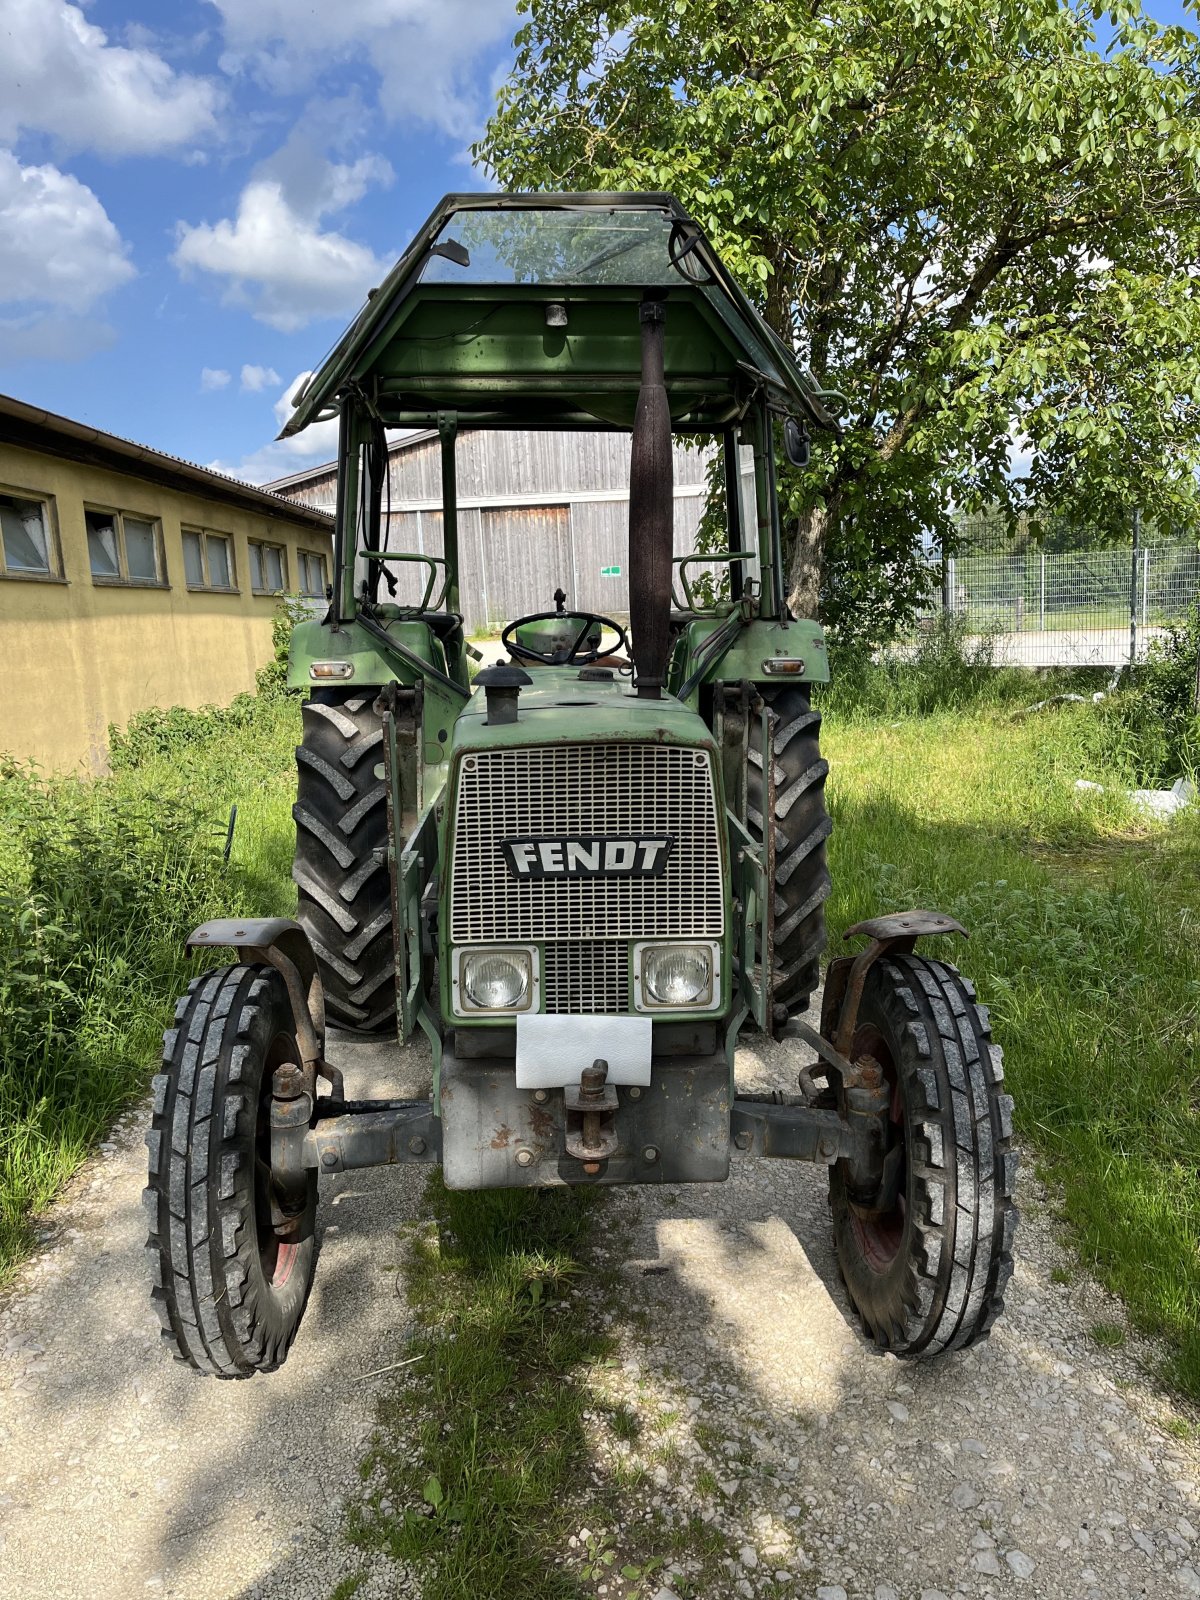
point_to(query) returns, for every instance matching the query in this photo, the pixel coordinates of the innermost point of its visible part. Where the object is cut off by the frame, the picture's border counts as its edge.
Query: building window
(124, 549)
(28, 548)
(268, 567)
(312, 574)
(208, 560)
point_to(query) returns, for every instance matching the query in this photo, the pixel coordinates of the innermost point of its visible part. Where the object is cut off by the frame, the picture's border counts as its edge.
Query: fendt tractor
(581, 875)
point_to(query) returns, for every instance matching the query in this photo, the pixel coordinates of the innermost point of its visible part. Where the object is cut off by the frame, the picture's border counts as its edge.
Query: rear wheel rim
(276, 1256)
(880, 1237)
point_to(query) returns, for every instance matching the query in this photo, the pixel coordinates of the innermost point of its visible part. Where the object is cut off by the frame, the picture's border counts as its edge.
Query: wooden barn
(536, 511)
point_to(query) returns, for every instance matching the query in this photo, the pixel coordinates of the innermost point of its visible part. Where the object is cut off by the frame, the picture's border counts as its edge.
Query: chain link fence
(1052, 606)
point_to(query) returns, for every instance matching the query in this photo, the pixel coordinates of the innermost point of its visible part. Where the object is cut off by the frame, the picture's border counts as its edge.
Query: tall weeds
(100, 883)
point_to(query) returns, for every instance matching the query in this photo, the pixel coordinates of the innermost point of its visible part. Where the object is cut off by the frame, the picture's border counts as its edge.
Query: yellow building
(130, 578)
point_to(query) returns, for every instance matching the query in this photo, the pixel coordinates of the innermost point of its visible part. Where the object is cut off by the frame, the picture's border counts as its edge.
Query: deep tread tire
(210, 1287)
(340, 870)
(802, 825)
(945, 1287)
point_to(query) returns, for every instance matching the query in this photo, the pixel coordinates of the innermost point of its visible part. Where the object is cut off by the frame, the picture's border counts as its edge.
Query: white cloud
(255, 379)
(274, 256)
(213, 378)
(318, 443)
(425, 51)
(58, 246)
(60, 75)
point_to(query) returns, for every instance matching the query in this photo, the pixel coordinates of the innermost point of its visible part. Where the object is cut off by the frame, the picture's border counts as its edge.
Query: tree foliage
(977, 219)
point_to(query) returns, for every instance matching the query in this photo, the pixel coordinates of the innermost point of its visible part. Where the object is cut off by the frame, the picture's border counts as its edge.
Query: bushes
(272, 679)
(159, 732)
(100, 883)
(98, 896)
(949, 668)
(1149, 730)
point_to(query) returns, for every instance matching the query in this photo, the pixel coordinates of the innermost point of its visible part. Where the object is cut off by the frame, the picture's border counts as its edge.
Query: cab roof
(521, 310)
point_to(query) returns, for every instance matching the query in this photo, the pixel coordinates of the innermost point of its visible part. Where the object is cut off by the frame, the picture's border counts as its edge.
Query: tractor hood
(521, 310)
(559, 707)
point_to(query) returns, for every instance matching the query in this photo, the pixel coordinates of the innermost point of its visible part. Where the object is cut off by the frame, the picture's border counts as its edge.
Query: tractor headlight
(675, 976)
(494, 980)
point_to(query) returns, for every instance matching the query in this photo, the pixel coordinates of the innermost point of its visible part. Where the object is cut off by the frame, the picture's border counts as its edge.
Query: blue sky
(192, 208)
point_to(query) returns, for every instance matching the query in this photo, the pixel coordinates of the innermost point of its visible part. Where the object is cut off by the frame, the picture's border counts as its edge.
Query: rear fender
(760, 652)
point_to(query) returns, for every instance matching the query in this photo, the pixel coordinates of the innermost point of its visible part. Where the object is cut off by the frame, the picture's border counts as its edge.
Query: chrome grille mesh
(592, 790)
(588, 976)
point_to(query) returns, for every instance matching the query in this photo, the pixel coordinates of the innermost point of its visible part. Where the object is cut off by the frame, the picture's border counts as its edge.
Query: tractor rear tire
(802, 825)
(229, 1292)
(927, 1260)
(341, 868)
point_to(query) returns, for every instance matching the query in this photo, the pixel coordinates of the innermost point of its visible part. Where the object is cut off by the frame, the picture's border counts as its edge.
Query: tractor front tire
(926, 1260)
(229, 1292)
(802, 825)
(341, 869)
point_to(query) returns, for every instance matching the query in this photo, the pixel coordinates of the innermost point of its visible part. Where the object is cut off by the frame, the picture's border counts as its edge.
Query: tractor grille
(592, 790)
(589, 977)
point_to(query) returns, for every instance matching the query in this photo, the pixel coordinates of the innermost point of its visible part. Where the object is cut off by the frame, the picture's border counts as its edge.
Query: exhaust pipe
(651, 513)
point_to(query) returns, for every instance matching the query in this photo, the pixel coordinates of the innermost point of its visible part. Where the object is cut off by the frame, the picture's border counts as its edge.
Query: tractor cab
(581, 872)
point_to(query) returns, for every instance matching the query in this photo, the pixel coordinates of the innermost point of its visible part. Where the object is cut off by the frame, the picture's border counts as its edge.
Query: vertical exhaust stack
(651, 513)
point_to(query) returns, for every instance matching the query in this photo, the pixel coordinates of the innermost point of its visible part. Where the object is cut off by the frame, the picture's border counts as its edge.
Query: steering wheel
(568, 646)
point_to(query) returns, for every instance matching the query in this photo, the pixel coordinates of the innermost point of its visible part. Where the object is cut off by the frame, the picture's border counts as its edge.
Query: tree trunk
(807, 561)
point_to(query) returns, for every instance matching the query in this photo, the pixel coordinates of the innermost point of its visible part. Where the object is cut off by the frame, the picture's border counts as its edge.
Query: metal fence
(1080, 607)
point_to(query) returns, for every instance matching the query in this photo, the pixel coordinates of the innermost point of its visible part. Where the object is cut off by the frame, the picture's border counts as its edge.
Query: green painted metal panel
(374, 665)
(756, 643)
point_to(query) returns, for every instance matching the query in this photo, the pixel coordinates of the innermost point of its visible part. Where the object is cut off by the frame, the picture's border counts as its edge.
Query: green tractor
(583, 875)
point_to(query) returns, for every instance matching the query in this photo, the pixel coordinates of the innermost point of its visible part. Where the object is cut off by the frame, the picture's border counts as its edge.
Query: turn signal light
(331, 669)
(784, 666)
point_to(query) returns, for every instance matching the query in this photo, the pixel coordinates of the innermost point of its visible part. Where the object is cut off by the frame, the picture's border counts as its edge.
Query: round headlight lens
(677, 977)
(496, 981)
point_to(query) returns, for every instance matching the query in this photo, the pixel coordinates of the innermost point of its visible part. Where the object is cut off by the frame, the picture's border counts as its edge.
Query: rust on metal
(591, 1114)
(898, 931)
(283, 944)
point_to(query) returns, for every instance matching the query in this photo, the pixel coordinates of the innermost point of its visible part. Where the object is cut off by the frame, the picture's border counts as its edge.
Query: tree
(972, 220)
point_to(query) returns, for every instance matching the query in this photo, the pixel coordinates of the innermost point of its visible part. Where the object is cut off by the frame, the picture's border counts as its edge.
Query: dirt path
(1034, 1466)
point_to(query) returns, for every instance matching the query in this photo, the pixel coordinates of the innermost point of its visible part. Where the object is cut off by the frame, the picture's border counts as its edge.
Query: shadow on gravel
(835, 1464)
(1015, 1467)
(147, 1477)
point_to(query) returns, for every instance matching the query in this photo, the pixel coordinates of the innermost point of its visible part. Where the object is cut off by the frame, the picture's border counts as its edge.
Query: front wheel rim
(880, 1236)
(276, 1256)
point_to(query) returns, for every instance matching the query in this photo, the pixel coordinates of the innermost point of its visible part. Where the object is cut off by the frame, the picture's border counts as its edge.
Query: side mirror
(797, 446)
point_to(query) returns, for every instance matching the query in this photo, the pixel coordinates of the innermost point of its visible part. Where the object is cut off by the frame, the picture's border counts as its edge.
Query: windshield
(593, 245)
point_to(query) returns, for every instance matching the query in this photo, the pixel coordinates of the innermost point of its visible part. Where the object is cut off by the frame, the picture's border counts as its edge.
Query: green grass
(498, 1446)
(1084, 945)
(483, 1444)
(100, 883)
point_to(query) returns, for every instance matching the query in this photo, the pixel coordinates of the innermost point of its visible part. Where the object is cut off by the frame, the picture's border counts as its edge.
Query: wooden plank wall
(536, 511)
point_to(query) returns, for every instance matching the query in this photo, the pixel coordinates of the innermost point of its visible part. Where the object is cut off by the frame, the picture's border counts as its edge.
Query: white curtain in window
(26, 540)
(102, 546)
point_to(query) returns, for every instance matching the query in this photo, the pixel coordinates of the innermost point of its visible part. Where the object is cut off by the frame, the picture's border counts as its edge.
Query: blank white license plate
(553, 1051)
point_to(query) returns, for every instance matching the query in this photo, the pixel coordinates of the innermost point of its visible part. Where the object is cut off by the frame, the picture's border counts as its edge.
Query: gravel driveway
(1036, 1465)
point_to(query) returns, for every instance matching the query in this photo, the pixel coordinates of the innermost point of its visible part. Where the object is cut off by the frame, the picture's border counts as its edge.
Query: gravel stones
(1031, 1464)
